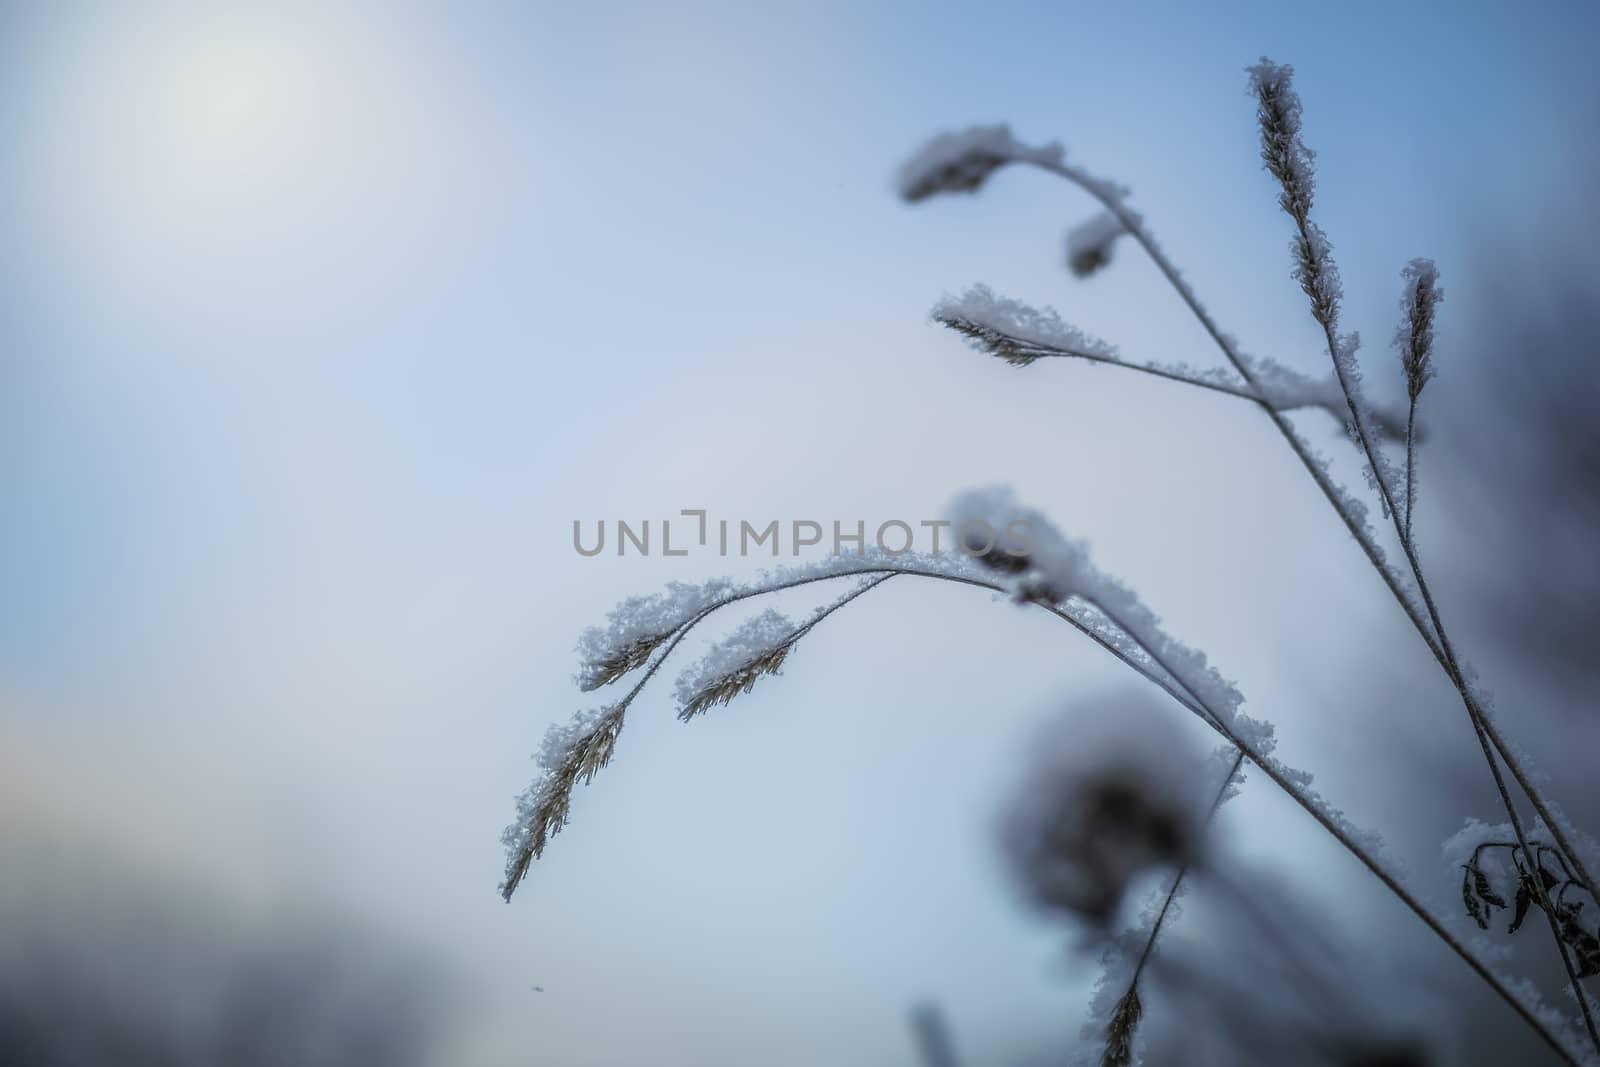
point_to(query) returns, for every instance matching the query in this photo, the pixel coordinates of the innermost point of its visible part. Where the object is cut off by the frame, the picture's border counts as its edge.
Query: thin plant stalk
(1172, 895)
(1430, 627)
(1411, 464)
(1270, 769)
(1289, 161)
(1170, 681)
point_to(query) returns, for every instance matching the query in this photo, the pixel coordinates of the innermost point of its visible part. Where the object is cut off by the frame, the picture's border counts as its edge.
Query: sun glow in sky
(238, 96)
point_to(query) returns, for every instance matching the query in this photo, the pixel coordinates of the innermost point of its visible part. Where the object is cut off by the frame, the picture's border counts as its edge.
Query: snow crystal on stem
(961, 161)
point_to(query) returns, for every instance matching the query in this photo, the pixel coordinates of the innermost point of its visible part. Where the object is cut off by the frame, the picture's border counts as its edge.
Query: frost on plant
(572, 751)
(960, 162)
(637, 627)
(1012, 330)
(758, 647)
(1499, 874)
(1419, 302)
(1107, 800)
(1090, 244)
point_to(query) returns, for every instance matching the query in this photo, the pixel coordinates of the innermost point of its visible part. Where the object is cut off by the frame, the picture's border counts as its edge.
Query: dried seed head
(621, 661)
(571, 752)
(1014, 331)
(993, 527)
(962, 161)
(1283, 154)
(1414, 338)
(741, 679)
(1120, 1031)
(1108, 797)
(1014, 351)
(756, 648)
(1089, 245)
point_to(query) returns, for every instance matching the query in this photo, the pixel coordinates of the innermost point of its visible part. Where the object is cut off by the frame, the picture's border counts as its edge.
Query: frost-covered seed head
(572, 751)
(1283, 154)
(1014, 331)
(1414, 338)
(1290, 161)
(618, 662)
(755, 649)
(995, 529)
(962, 161)
(1120, 1032)
(1089, 245)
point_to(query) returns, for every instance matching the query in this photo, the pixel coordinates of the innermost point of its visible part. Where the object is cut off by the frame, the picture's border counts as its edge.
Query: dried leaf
(1485, 891)
(1524, 898)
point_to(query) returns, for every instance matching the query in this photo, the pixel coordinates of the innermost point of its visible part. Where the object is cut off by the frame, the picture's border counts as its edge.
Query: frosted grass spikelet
(757, 648)
(1007, 537)
(637, 627)
(1021, 335)
(1414, 338)
(572, 751)
(618, 662)
(1014, 331)
(961, 161)
(1090, 244)
(1278, 112)
(1120, 1031)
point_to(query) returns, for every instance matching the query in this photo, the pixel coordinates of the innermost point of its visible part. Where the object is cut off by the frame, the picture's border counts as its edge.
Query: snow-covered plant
(1086, 825)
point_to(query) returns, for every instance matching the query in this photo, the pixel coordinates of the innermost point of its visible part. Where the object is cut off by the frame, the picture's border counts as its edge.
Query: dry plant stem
(1411, 465)
(1171, 683)
(1159, 372)
(1433, 635)
(1269, 768)
(1452, 666)
(1177, 881)
(518, 869)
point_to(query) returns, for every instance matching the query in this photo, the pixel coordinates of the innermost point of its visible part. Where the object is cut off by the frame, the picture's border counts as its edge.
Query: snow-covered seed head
(1283, 154)
(994, 528)
(621, 661)
(731, 667)
(1418, 303)
(960, 162)
(572, 751)
(1105, 800)
(1014, 331)
(742, 679)
(1090, 244)
(1290, 161)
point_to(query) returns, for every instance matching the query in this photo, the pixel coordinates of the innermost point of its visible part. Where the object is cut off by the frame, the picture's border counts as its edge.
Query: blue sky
(320, 328)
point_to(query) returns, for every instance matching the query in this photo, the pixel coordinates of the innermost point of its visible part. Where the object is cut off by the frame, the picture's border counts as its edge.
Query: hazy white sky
(317, 330)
